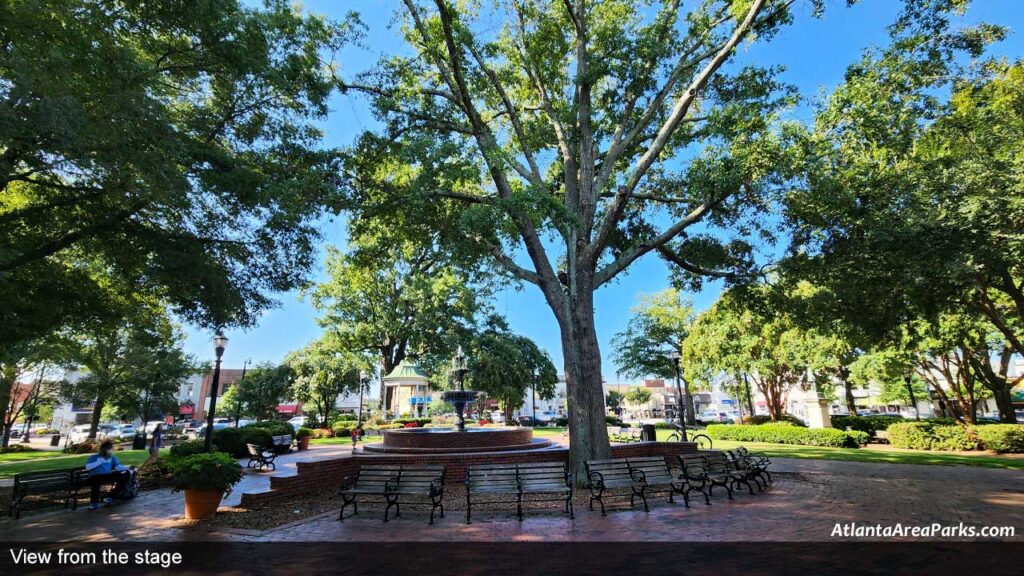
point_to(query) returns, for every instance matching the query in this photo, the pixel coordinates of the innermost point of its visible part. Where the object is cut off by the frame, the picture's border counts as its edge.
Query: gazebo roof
(406, 371)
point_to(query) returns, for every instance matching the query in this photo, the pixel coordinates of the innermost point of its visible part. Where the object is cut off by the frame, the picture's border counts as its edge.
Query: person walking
(156, 443)
(356, 432)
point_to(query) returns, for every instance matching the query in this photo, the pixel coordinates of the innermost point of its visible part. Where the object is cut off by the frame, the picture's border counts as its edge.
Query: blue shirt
(97, 464)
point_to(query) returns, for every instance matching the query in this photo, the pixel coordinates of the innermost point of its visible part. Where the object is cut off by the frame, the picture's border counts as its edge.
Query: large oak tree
(560, 142)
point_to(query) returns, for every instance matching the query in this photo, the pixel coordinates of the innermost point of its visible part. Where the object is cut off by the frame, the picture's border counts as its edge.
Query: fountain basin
(450, 440)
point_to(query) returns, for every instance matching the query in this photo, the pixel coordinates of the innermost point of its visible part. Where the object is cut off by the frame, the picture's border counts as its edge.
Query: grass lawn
(126, 457)
(31, 455)
(879, 453)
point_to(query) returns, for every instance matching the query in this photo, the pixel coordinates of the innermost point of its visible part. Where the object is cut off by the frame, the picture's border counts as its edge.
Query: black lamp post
(220, 342)
(533, 400)
(364, 380)
(681, 404)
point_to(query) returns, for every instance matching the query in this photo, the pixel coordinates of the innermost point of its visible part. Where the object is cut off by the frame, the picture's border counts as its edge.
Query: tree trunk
(1005, 405)
(588, 434)
(7, 433)
(97, 410)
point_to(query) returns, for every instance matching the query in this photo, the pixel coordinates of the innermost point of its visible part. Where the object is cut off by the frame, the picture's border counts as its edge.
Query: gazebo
(407, 390)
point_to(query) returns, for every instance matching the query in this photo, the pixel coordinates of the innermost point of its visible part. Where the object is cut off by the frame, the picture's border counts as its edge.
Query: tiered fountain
(459, 439)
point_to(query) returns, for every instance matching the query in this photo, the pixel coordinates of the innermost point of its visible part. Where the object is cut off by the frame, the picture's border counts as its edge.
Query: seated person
(104, 468)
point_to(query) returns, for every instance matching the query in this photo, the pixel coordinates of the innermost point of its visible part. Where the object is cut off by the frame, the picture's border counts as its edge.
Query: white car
(80, 433)
(297, 422)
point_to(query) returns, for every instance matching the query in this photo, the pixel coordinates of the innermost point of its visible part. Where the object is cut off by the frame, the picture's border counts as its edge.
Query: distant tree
(637, 396)
(507, 367)
(394, 301)
(157, 375)
(322, 373)
(264, 388)
(658, 326)
(752, 332)
(613, 400)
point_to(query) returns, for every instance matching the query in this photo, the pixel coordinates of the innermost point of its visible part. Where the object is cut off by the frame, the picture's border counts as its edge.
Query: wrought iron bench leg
(519, 505)
(387, 508)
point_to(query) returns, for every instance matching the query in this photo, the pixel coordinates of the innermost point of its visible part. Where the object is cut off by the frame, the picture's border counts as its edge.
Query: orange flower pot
(304, 443)
(201, 504)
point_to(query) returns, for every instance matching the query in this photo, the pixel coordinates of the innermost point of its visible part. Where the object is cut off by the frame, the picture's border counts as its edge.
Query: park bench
(758, 461)
(282, 443)
(702, 477)
(392, 483)
(749, 467)
(260, 457)
(492, 480)
(637, 474)
(49, 485)
(719, 462)
(78, 479)
(624, 434)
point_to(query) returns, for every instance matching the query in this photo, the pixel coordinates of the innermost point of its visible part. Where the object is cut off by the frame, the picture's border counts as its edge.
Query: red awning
(287, 408)
(186, 410)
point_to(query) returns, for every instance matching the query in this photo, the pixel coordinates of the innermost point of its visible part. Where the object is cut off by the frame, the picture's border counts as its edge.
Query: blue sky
(815, 53)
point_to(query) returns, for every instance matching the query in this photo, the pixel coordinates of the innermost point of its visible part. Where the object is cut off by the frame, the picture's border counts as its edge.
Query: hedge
(786, 433)
(190, 447)
(233, 440)
(1002, 437)
(869, 424)
(759, 420)
(275, 427)
(418, 421)
(931, 436)
(343, 429)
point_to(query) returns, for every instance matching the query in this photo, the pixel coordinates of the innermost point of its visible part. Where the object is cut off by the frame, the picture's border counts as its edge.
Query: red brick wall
(492, 438)
(327, 474)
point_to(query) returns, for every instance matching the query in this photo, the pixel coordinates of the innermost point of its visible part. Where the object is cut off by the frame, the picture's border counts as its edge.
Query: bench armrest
(596, 479)
(676, 472)
(392, 484)
(436, 487)
(638, 476)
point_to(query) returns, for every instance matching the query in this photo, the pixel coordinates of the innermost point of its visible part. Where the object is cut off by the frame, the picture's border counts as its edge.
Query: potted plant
(205, 478)
(303, 436)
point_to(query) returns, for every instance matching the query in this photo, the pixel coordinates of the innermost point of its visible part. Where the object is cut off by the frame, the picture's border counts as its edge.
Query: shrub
(483, 422)
(274, 427)
(611, 420)
(189, 448)
(338, 425)
(561, 421)
(13, 448)
(1002, 437)
(869, 424)
(345, 418)
(758, 420)
(233, 440)
(389, 426)
(303, 432)
(322, 433)
(406, 421)
(787, 433)
(214, 472)
(665, 425)
(932, 436)
(412, 425)
(156, 473)
(82, 447)
(341, 431)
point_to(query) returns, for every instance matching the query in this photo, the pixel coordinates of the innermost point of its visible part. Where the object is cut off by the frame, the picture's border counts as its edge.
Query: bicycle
(703, 441)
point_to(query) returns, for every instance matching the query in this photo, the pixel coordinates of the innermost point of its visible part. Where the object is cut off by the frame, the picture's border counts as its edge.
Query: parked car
(218, 424)
(713, 416)
(497, 417)
(297, 422)
(80, 433)
(127, 430)
(151, 425)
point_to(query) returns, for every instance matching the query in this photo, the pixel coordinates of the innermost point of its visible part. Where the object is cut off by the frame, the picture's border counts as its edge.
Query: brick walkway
(808, 498)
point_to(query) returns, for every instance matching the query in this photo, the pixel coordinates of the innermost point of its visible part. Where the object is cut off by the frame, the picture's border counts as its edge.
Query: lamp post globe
(220, 342)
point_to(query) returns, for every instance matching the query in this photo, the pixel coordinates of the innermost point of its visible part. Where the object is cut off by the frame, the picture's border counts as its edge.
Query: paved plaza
(807, 500)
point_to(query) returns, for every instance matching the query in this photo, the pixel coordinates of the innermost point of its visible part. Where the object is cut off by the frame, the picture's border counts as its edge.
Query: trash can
(55, 440)
(139, 442)
(647, 433)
